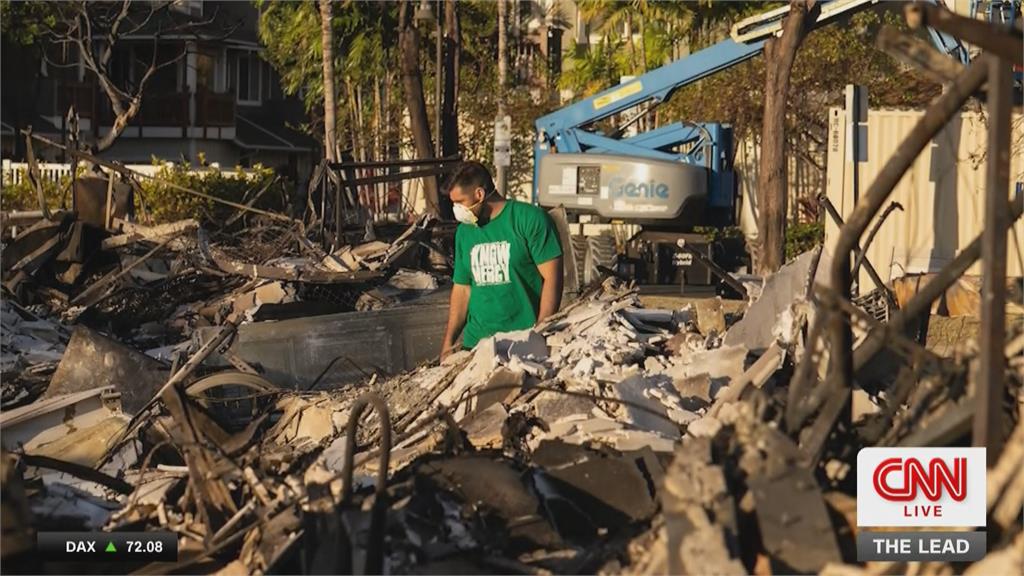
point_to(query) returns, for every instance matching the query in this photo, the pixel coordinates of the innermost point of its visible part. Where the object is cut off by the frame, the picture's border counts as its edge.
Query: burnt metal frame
(859, 252)
(335, 174)
(1000, 214)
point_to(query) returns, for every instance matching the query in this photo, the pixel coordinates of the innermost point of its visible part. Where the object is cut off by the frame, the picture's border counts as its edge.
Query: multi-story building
(216, 100)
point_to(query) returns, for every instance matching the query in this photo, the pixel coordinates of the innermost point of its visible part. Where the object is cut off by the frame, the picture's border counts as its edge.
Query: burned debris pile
(611, 438)
(153, 287)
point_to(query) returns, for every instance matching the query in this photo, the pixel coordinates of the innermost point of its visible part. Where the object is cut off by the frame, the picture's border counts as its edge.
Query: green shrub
(715, 234)
(167, 204)
(22, 196)
(802, 237)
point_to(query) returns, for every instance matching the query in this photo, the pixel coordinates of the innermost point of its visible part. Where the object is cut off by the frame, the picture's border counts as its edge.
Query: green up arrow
(110, 547)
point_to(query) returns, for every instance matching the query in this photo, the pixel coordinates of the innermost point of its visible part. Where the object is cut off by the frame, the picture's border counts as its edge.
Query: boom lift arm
(648, 157)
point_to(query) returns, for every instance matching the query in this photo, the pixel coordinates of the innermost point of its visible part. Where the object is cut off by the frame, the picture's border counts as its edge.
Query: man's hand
(447, 350)
(457, 310)
(551, 292)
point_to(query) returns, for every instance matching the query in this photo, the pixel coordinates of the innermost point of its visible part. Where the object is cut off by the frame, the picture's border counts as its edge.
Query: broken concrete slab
(637, 390)
(46, 421)
(526, 344)
(93, 360)
(795, 525)
(710, 317)
(790, 283)
(503, 385)
(552, 406)
(274, 292)
(697, 389)
(723, 365)
(757, 375)
(492, 490)
(704, 427)
(608, 489)
(483, 429)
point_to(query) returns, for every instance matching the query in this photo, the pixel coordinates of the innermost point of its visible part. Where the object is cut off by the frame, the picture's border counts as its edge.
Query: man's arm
(551, 292)
(458, 307)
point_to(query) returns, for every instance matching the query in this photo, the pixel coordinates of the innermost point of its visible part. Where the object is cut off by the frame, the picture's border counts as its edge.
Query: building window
(250, 76)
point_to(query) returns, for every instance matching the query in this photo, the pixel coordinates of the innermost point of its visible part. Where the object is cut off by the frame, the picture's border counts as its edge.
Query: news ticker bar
(921, 546)
(108, 546)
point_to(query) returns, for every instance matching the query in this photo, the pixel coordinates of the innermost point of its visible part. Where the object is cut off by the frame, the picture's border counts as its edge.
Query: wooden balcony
(166, 109)
(81, 95)
(214, 109)
(161, 109)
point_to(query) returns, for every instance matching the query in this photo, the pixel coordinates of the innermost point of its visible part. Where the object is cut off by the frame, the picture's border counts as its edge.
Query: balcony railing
(214, 109)
(81, 95)
(163, 109)
(166, 109)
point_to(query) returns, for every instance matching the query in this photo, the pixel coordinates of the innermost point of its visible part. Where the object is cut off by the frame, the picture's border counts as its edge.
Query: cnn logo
(921, 487)
(938, 478)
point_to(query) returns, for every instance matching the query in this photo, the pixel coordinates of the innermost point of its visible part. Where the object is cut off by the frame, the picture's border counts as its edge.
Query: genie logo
(623, 188)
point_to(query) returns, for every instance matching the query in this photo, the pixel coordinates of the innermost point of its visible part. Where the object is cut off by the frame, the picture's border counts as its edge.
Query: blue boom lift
(674, 176)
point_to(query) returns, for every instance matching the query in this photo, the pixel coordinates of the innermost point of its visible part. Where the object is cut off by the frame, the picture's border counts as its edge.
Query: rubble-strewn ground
(615, 437)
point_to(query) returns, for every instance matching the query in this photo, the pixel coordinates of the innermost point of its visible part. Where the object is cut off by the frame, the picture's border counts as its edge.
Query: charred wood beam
(33, 172)
(211, 495)
(934, 119)
(92, 294)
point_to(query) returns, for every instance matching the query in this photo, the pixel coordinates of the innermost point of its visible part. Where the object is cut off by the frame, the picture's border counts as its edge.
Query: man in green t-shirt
(508, 261)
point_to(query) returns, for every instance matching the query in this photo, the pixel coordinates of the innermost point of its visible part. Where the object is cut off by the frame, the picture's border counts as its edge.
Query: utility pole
(501, 161)
(437, 80)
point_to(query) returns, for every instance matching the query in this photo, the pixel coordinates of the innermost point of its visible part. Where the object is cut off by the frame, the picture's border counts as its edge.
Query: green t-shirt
(499, 262)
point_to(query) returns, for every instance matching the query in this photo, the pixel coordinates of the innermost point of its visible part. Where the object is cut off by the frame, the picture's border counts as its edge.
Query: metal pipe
(991, 358)
(375, 547)
(830, 209)
(394, 163)
(871, 236)
(934, 119)
(927, 128)
(922, 301)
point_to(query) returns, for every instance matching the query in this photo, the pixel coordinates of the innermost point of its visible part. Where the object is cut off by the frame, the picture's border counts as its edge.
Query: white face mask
(466, 215)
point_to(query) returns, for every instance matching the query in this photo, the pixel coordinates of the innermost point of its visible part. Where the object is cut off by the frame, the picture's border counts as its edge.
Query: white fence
(15, 172)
